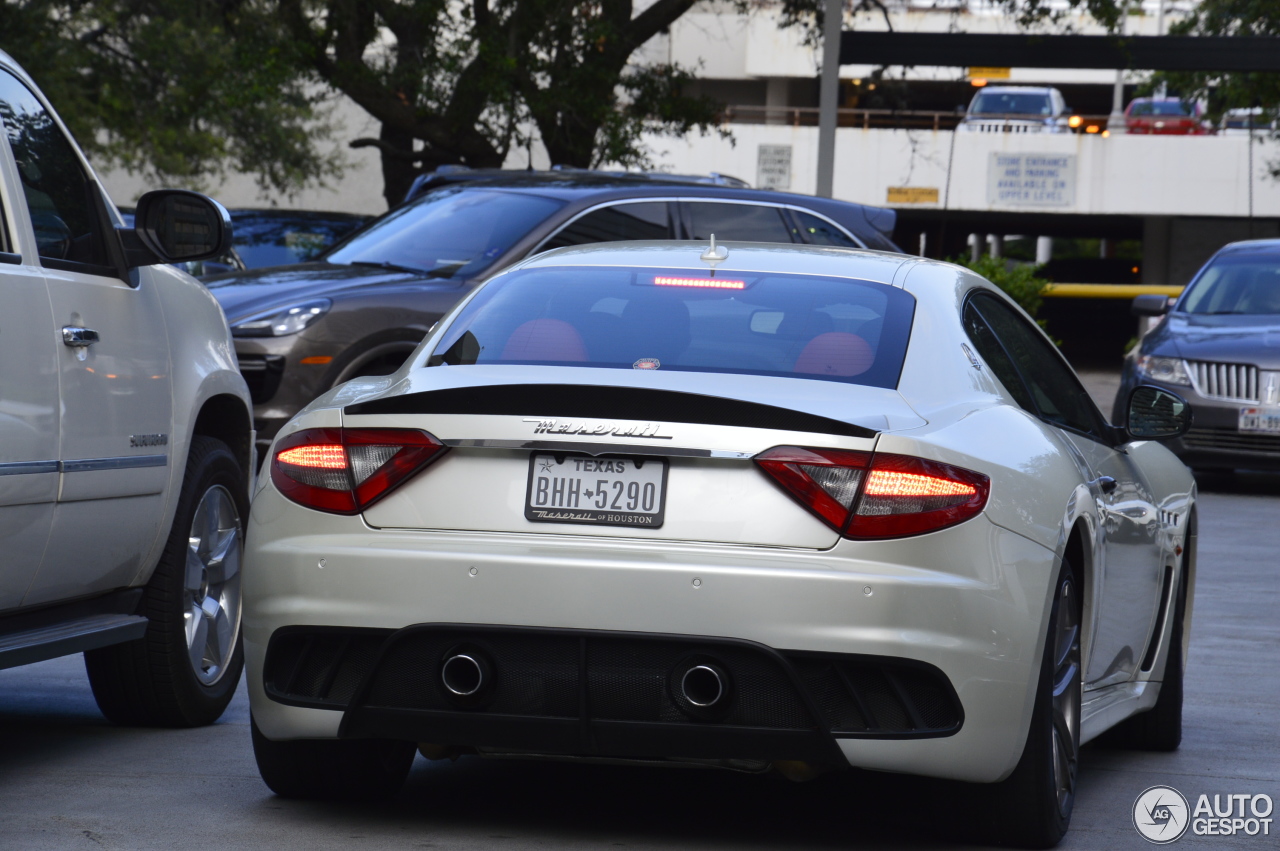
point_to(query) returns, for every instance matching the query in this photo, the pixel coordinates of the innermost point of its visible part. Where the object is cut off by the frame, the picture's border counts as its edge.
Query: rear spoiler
(563, 403)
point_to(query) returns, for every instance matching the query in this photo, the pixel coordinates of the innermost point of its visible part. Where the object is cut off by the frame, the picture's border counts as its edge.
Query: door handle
(77, 337)
(1106, 484)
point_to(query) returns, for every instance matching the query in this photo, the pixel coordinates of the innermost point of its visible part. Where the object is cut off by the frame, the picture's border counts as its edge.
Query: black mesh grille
(630, 680)
(573, 675)
(933, 703)
(874, 695)
(533, 675)
(834, 701)
(884, 707)
(322, 666)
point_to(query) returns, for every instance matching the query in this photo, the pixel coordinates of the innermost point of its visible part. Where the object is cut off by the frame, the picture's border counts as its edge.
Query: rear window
(1236, 284)
(1161, 107)
(272, 239)
(798, 326)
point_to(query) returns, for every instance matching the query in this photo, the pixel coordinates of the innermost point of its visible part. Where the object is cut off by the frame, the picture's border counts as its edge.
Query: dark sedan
(1219, 346)
(364, 305)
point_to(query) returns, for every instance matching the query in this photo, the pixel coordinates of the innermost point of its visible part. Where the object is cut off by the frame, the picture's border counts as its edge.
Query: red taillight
(825, 481)
(864, 496)
(345, 470)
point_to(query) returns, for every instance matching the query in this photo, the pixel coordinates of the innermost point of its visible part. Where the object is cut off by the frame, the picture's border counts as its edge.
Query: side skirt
(1104, 708)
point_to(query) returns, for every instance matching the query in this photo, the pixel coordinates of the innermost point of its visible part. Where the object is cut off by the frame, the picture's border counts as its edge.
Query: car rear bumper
(963, 608)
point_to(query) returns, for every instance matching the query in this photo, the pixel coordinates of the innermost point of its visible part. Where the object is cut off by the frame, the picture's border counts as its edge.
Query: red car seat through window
(835, 353)
(545, 340)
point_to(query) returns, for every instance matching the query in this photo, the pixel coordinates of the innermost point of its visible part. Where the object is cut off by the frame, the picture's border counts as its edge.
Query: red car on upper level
(1166, 117)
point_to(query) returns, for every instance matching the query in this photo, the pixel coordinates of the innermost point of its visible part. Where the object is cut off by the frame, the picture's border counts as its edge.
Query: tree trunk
(398, 170)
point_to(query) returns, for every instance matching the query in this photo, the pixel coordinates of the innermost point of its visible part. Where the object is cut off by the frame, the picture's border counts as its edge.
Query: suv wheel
(184, 671)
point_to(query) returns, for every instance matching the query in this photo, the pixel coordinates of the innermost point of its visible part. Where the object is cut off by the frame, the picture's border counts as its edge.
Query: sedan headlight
(282, 323)
(1166, 370)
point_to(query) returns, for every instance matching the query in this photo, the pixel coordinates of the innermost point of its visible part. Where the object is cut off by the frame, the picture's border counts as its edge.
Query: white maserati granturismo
(763, 507)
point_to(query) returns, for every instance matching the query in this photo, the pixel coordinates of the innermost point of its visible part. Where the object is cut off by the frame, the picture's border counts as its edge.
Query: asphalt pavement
(70, 780)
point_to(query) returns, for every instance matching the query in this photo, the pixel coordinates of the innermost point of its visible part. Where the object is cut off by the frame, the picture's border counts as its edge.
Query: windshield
(279, 239)
(1011, 103)
(454, 230)
(1236, 283)
(1161, 107)
(790, 325)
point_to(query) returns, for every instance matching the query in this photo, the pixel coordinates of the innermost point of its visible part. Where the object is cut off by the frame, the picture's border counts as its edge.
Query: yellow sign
(980, 72)
(912, 195)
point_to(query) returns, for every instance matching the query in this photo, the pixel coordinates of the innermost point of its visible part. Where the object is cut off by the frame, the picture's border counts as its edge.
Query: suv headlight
(1166, 370)
(282, 323)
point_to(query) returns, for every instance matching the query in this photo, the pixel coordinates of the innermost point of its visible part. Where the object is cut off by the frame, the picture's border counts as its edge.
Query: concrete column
(1156, 233)
(975, 247)
(1115, 121)
(775, 100)
(829, 95)
(1044, 250)
(997, 244)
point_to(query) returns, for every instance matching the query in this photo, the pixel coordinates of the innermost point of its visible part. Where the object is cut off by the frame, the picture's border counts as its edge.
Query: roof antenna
(714, 255)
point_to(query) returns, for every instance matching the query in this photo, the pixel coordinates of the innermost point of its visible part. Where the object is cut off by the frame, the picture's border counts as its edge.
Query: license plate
(599, 491)
(1266, 420)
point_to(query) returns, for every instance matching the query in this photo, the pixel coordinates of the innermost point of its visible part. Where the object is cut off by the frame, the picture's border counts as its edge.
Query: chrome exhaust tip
(703, 686)
(463, 675)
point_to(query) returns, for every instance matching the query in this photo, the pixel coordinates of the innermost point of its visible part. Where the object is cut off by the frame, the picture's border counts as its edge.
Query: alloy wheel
(211, 590)
(1066, 695)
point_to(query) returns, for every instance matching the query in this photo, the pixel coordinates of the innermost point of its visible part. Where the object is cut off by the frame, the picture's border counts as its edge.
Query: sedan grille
(1232, 381)
(1231, 440)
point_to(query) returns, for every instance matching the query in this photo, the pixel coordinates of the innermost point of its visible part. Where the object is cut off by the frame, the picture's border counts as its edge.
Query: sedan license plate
(600, 491)
(1265, 420)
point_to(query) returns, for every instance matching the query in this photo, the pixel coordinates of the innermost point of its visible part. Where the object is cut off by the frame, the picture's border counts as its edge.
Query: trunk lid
(660, 430)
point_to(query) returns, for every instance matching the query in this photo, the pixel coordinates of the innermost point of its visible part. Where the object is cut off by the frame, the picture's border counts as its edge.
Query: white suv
(1016, 109)
(125, 432)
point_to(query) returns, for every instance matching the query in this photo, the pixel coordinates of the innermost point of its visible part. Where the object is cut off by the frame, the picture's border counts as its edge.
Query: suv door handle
(77, 337)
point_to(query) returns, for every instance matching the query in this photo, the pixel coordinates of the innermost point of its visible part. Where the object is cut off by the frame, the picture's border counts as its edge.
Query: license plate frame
(590, 470)
(1259, 419)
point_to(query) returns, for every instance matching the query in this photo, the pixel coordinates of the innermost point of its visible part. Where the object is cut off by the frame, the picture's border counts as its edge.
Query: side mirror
(1156, 414)
(1151, 304)
(177, 226)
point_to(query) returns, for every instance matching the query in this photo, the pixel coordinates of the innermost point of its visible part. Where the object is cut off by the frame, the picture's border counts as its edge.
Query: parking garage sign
(1031, 180)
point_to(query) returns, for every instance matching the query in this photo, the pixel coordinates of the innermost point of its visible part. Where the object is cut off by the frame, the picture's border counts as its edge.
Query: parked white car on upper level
(125, 433)
(1016, 109)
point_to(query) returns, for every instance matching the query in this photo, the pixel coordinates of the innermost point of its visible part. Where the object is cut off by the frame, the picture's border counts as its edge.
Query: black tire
(153, 681)
(1032, 807)
(1160, 727)
(332, 769)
